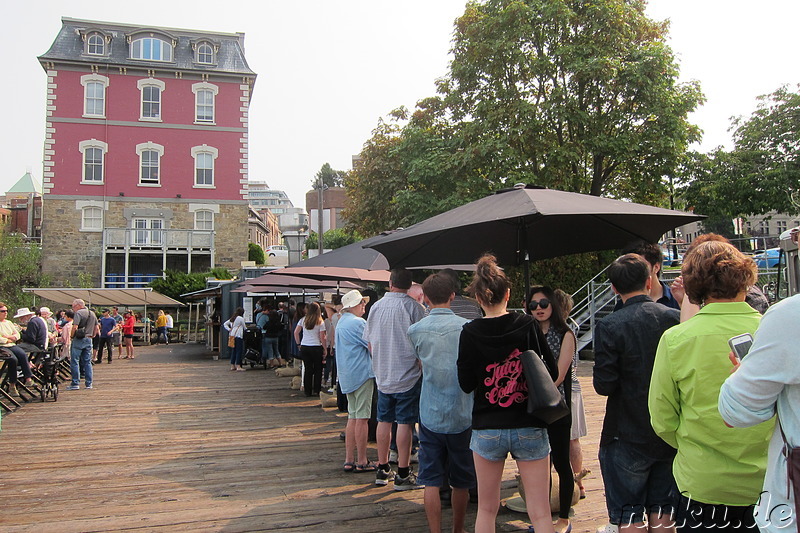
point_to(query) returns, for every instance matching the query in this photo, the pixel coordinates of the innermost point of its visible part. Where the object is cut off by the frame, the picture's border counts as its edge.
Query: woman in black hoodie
(489, 365)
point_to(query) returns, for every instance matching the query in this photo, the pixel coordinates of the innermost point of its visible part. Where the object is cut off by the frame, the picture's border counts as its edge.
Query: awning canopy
(98, 297)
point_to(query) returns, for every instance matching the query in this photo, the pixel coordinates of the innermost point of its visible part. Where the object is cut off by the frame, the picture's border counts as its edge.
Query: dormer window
(96, 45)
(205, 54)
(151, 49)
(96, 42)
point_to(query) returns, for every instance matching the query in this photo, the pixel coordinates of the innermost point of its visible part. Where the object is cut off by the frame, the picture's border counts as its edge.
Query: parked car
(277, 250)
(768, 258)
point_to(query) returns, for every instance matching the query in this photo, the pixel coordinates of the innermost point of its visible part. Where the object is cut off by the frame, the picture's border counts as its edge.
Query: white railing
(157, 238)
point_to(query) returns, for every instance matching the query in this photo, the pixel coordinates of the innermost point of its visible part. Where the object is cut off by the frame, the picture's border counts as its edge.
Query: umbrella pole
(527, 279)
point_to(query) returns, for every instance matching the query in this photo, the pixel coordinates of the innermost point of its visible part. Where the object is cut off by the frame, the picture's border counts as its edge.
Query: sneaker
(414, 458)
(392, 457)
(12, 389)
(383, 477)
(407, 483)
(608, 528)
(74, 387)
(89, 386)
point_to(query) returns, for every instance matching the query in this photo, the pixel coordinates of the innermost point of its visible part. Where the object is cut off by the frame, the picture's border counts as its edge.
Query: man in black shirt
(636, 464)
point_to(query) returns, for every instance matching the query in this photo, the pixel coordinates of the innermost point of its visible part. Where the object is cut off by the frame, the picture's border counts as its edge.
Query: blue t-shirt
(353, 361)
(106, 325)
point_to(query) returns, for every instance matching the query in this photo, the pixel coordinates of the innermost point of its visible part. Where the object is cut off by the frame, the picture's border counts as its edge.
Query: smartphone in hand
(740, 345)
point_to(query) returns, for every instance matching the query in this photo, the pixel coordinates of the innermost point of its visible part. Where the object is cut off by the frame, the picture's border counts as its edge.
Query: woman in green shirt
(719, 470)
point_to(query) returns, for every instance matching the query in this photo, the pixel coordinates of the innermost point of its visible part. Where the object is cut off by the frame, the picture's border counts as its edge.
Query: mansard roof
(69, 47)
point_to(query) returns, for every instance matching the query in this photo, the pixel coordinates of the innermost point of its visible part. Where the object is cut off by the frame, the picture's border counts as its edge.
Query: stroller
(50, 360)
(252, 347)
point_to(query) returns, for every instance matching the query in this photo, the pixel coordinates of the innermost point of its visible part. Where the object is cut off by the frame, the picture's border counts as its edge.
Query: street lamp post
(319, 214)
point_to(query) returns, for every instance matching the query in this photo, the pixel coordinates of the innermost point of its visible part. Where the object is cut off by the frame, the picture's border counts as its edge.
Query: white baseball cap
(353, 298)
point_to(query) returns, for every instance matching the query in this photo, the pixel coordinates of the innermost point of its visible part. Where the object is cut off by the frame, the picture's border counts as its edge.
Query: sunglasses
(3, 310)
(544, 303)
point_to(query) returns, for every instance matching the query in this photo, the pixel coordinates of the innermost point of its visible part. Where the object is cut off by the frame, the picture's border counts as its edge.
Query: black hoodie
(489, 364)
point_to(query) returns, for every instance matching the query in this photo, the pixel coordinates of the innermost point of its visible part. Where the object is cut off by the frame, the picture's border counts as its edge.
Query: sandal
(369, 467)
(349, 467)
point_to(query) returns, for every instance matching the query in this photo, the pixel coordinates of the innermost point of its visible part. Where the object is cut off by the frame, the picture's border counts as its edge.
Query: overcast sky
(329, 69)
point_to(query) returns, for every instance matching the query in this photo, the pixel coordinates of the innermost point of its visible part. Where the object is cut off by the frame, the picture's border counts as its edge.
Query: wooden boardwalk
(173, 442)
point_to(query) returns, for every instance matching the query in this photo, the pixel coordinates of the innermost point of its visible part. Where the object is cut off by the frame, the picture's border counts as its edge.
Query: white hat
(45, 311)
(352, 299)
(23, 311)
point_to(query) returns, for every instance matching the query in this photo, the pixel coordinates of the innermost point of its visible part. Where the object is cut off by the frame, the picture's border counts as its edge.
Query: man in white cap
(356, 379)
(34, 330)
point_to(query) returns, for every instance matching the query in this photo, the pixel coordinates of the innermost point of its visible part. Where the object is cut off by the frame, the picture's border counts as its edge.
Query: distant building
(763, 231)
(261, 196)
(334, 200)
(23, 202)
(263, 228)
(146, 151)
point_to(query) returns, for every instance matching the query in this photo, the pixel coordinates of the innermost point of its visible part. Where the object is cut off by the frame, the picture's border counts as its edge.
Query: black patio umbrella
(353, 262)
(527, 223)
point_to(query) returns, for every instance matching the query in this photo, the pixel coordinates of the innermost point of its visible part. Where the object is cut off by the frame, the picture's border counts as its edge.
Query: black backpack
(274, 327)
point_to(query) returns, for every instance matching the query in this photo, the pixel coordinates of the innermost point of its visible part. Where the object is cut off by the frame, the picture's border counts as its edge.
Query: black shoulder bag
(544, 400)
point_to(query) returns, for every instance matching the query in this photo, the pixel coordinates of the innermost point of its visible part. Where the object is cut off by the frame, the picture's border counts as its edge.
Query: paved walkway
(173, 441)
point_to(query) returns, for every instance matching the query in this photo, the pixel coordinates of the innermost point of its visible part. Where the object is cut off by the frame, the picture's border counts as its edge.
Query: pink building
(145, 152)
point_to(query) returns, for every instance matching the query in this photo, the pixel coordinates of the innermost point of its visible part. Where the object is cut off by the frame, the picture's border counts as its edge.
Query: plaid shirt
(394, 361)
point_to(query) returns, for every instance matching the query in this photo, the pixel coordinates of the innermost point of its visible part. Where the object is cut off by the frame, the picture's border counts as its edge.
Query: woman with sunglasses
(489, 364)
(545, 308)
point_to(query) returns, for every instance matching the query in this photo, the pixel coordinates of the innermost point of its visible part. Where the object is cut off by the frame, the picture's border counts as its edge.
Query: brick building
(145, 160)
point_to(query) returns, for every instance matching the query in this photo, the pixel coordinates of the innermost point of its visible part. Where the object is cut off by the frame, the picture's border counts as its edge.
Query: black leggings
(559, 434)
(312, 360)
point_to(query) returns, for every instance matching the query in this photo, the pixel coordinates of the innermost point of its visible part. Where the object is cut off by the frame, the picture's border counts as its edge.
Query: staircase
(595, 300)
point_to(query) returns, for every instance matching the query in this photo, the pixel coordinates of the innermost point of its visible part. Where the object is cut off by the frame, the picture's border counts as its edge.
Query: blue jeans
(237, 351)
(636, 484)
(80, 361)
(269, 348)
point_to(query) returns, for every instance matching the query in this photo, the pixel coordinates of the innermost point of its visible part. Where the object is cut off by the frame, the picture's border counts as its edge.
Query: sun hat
(23, 311)
(353, 298)
(45, 311)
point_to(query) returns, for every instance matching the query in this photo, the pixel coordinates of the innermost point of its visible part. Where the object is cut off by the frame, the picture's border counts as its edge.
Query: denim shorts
(439, 452)
(402, 407)
(524, 444)
(636, 484)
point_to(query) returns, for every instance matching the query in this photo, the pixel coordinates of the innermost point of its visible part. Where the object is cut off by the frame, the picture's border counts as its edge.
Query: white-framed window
(204, 99)
(149, 163)
(92, 218)
(94, 101)
(151, 49)
(205, 54)
(151, 90)
(204, 220)
(96, 45)
(94, 153)
(204, 157)
(148, 231)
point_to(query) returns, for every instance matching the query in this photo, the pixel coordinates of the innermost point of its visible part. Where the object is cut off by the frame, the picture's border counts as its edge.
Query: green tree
(19, 264)
(758, 175)
(332, 239)
(565, 94)
(175, 282)
(255, 253)
(573, 95)
(329, 177)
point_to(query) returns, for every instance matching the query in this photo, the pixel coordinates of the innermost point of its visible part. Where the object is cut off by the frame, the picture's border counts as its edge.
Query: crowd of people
(441, 373)
(82, 335)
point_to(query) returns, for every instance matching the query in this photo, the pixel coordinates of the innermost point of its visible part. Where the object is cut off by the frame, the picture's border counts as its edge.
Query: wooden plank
(174, 442)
